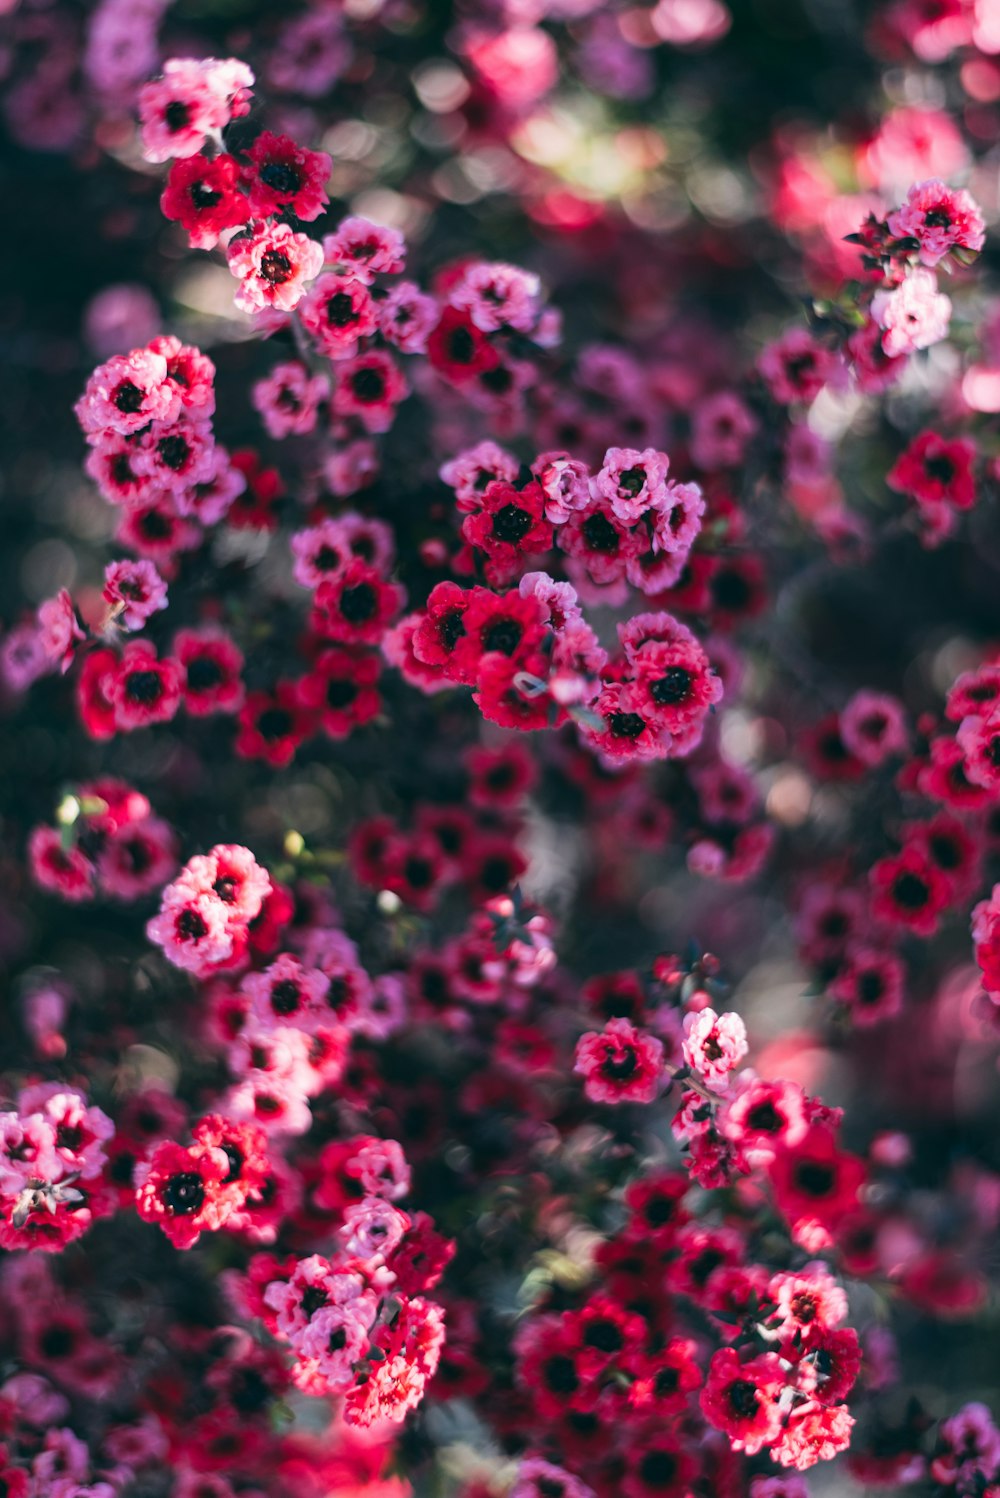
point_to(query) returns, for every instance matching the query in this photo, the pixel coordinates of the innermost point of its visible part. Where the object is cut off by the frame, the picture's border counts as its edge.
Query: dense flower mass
(501, 811)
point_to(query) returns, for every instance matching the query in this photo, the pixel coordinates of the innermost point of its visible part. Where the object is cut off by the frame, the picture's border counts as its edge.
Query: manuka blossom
(742, 1398)
(182, 1191)
(289, 399)
(134, 591)
(940, 219)
(620, 1064)
(205, 913)
(282, 176)
(202, 195)
(272, 264)
(189, 102)
(714, 1045)
(127, 393)
(912, 315)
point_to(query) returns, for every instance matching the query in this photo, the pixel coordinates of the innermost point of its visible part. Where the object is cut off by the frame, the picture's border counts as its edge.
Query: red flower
(337, 311)
(356, 606)
(144, 690)
(505, 696)
(620, 1064)
(813, 1435)
(442, 627)
(273, 725)
(255, 507)
(341, 689)
(510, 524)
(742, 1398)
(203, 196)
(284, 176)
(458, 350)
(936, 471)
(657, 1467)
(182, 1190)
(909, 890)
(211, 666)
(815, 1185)
(504, 624)
(370, 387)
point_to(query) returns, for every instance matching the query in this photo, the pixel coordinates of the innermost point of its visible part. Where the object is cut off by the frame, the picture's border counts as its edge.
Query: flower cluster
(374, 1119)
(52, 1155)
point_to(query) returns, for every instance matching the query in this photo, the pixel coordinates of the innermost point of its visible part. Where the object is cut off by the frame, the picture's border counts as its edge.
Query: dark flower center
(203, 673)
(184, 1193)
(626, 725)
(511, 524)
(368, 385)
(658, 1469)
(619, 1066)
(313, 1299)
(871, 987)
(340, 310)
(765, 1118)
(730, 590)
(276, 267)
(910, 891)
(274, 723)
(815, 1179)
(280, 178)
(173, 451)
(504, 635)
(451, 629)
(177, 114)
(358, 604)
(128, 398)
(604, 1335)
(940, 468)
(57, 1341)
(600, 534)
(191, 925)
(560, 1375)
(203, 196)
(285, 997)
(144, 687)
(340, 693)
(461, 346)
(236, 1162)
(743, 1398)
(632, 481)
(671, 687)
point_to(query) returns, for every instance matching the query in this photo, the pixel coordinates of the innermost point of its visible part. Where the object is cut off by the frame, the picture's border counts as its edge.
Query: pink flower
(620, 1064)
(272, 264)
(498, 296)
(126, 393)
(632, 482)
(180, 109)
(873, 727)
(59, 630)
(289, 399)
(813, 1434)
(912, 315)
(285, 176)
(470, 471)
(941, 219)
(338, 311)
(714, 1045)
(192, 931)
(368, 249)
(371, 1229)
(407, 317)
(134, 590)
